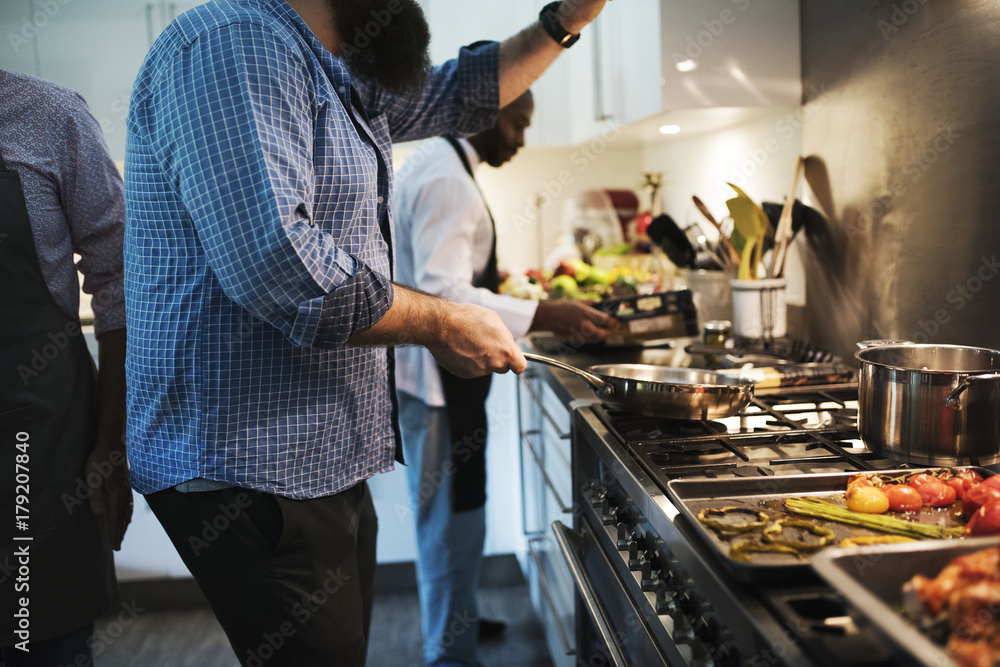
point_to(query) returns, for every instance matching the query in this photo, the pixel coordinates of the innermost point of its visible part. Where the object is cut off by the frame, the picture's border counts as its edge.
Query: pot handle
(596, 382)
(952, 402)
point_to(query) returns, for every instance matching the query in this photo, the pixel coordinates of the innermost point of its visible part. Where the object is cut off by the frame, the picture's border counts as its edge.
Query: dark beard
(384, 41)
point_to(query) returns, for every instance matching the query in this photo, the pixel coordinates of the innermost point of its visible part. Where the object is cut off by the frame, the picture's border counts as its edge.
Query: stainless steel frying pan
(658, 391)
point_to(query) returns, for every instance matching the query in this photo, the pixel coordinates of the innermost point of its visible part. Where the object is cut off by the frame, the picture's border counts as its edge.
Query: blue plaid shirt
(254, 191)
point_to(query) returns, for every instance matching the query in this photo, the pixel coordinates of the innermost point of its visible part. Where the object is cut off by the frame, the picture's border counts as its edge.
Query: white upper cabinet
(730, 53)
(643, 57)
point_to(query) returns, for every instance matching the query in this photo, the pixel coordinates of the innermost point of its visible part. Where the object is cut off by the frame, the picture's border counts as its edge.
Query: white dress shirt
(443, 240)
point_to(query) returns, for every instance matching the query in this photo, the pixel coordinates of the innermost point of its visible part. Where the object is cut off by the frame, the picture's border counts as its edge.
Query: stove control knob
(665, 600)
(635, 559)
(650, 577)
(623, 536)
(597, 495)
(609, 515)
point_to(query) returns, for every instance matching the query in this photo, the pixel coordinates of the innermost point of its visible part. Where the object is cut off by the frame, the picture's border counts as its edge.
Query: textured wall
(903, 109)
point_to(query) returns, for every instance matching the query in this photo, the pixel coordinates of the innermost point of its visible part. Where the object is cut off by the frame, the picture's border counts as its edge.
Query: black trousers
(289, 580)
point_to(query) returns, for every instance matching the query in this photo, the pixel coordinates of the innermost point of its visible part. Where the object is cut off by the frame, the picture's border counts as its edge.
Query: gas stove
(793, 431)
(657, 594)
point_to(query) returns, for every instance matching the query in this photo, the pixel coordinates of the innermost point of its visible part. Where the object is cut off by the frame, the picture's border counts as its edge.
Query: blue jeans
(449, 544)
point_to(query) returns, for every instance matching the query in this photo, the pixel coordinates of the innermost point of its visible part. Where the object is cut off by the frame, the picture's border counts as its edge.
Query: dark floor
(192, 637)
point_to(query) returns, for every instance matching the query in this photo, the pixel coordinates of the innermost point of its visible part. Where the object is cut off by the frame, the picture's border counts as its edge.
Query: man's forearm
(414, 319)
(526, 55)
(467, 340)
(111, 389)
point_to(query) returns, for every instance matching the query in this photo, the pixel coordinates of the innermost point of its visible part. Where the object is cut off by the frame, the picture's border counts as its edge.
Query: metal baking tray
(871, 578)
(766, 494)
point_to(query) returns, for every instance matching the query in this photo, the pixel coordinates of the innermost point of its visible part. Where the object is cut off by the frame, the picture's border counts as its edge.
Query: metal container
(930, 404)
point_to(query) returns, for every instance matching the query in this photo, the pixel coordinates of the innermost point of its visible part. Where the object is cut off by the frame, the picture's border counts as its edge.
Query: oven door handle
(564, 537)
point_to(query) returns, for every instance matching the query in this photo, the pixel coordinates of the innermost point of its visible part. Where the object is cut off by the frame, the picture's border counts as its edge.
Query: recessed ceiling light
(686, 66)
(670, 129)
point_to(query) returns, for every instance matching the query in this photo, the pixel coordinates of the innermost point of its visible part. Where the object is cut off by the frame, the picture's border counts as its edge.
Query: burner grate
(790, 432)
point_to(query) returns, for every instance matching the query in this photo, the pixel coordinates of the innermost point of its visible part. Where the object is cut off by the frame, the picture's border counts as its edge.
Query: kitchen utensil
(676, 393)
(930, 404)
(690, 496)
(760, 311)
(818, 179)
(871, 580)
(731, 255)
(665, 233)
(750, 227)
(784, 230)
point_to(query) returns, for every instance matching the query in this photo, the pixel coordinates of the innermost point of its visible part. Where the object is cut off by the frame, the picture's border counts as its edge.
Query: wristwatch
(550, 22)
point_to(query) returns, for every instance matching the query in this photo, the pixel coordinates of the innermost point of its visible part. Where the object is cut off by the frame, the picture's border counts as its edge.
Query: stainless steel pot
(659, 391)
(930, 404)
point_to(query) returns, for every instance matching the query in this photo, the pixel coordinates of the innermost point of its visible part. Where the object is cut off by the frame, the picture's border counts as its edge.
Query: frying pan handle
(596, 382)
(952, 402)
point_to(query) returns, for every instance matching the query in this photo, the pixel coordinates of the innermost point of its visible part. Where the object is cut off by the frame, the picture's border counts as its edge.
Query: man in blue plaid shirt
(258, 257)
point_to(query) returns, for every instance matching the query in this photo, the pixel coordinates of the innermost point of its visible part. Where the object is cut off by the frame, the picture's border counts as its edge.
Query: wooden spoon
(734, 257)
(784, 231)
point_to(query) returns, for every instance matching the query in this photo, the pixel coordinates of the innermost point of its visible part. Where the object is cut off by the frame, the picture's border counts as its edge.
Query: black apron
(465, 399)
(48, 399)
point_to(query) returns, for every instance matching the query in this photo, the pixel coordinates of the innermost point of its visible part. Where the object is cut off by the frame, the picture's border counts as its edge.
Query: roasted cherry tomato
(986, 520)
(923, 478)
(867, 499)
(903, 498)
(993, 481)
(969, 474)
(976, 497)
(936, 494)
(960, 484)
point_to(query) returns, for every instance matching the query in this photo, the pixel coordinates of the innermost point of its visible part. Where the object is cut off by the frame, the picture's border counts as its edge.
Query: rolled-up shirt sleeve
(90, 189)
(461, 96)
(233, 126)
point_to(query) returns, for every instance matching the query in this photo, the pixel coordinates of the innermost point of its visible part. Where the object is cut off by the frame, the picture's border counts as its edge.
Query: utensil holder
(760, 311)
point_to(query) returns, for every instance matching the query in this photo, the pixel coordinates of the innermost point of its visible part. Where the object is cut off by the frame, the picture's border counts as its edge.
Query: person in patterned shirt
(61, 424)
(259, 298)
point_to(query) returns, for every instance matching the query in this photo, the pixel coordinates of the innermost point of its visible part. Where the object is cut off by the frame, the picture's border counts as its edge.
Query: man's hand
(474, 341)
(467, 340)
(106, 470)
(574, 321)
(575, 15)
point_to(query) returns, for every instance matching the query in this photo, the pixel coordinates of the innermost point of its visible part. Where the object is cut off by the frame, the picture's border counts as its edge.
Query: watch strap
(550, 21)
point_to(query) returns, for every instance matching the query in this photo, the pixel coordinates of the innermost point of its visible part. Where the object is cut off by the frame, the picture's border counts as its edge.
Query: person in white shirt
(447, 246)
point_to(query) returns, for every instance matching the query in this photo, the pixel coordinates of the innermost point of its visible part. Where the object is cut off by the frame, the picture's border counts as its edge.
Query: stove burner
(650, 428)
(796, 431)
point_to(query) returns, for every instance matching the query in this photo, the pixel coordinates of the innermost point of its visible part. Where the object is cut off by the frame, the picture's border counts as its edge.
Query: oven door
(610, 628)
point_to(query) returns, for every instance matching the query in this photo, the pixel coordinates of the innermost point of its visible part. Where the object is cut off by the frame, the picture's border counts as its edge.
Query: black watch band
(550, 22)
